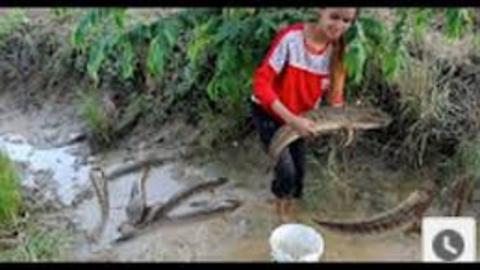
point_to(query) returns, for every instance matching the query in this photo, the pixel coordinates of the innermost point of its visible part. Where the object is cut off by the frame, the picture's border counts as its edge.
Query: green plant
(39, 245)
(466, 162)
(10, 194)
(372, 40)
(93, 112)
(220, 48)
(62, 13)
(11, 21)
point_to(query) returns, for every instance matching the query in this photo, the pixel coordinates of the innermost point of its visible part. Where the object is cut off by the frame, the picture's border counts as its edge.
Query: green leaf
(119, 16)
(139, 33)
(394, 61)
(156, 56)
(457, 21)
(200, 41)
(81, 30)
(400, 29)
(212, 89)
(355, 59)
(11, 21)
(96, 56)
(171, 31)
(127, 58)
(373, 29)
(227, 31)
(422, 18)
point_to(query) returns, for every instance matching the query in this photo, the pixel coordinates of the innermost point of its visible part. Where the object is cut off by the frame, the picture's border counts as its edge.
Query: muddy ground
(56, 185)
(240, 236)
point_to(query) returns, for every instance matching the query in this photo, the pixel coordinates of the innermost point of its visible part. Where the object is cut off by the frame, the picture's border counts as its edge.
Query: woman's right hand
(304, 126)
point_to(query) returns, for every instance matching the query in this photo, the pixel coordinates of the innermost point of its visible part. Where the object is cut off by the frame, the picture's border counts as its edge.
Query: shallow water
(242, 237)
(69, 175)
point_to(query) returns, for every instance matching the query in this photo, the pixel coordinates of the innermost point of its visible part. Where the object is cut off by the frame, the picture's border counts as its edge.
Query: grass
(320, 191)
(11, 21)
(476, 42)
(465, 162)
(95, 116)
(10, 194)
(354, 187)
(469, 157)
(417, 84)
(40, 244)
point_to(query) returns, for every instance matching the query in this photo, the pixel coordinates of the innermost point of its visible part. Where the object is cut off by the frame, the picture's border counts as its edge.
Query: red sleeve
(270, 67)
(263, 85)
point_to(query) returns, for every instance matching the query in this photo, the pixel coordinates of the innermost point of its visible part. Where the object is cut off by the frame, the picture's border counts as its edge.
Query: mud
(241, 236)
(60, 176)
(57, 179)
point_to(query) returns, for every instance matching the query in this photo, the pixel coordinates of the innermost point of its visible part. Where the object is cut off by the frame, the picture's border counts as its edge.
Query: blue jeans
(289, 171)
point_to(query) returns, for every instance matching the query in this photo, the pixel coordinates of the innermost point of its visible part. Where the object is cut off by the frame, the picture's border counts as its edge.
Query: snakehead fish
(405, 214)
(328, 119)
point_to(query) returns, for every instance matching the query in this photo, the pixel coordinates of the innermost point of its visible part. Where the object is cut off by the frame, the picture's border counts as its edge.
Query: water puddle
(254, 245)
(69, 176)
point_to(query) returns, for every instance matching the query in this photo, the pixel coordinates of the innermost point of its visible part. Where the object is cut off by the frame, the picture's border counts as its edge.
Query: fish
(329, 119)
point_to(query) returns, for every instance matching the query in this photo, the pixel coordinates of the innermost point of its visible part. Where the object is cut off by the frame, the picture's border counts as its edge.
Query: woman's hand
(302, 125)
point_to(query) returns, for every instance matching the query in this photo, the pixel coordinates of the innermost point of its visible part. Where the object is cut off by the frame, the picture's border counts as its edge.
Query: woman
(292, 79)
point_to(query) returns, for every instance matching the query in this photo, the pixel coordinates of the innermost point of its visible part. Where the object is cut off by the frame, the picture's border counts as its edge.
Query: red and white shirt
(293, 74)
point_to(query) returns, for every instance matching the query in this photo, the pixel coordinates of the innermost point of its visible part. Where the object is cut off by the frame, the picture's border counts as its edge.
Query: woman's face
(336, 21)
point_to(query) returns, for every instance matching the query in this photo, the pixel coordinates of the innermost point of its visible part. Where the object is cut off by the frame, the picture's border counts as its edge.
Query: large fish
(405, 214)
(329, 119)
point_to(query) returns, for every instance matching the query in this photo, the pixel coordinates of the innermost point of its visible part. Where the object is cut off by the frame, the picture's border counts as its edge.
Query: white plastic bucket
(296, 243)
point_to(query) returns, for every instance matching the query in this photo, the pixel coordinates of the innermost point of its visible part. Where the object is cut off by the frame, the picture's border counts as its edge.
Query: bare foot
(294, 211)
(281, 210)
(285, 217)
(277, 204)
